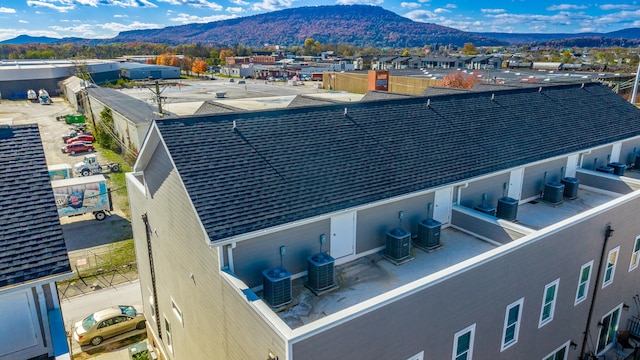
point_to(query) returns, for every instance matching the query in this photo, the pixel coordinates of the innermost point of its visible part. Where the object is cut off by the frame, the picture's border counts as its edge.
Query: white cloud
(23, 21)
(49, 5)
(272, 5)
(200, 4)
(493, 11)
(563, 7)
(361, 2)
(451, 6)
(423, 16)
(234, 10)
(618, 7)
(7, 10)
(189, 19)
(136, 25)
(423, 1)
(409, 5)
(120, 16)
(239, 2)
(441, 10)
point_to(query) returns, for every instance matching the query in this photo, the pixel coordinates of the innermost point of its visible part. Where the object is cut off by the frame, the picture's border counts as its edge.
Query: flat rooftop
(373, 275)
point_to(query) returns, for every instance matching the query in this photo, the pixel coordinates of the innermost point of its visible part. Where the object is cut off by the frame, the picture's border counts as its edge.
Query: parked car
(108, 323)
(77, 147)
(81, 137)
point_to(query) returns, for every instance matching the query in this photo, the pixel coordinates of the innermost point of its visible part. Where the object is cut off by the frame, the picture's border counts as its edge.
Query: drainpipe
(464, 186)
(607, 234)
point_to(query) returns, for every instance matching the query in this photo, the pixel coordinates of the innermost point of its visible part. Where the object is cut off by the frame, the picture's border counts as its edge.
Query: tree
(199, 66)
(150, 61)
(406, 52)
(224, 54)
(469, 49)
(458, 79)
(308, 46)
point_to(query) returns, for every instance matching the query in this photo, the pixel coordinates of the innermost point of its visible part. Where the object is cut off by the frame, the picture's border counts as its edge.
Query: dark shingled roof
(281, 166)
(133, 109)
(31, 241)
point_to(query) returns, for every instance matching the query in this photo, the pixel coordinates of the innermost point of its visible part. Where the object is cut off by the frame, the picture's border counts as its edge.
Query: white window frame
(586, 283)
(552, 355)
(469, 329)
(552, 302)
(504, 344)
(177, 312)
(169, 333)
(635, 254)
(601, 328)
(610, 266)
(418, 356)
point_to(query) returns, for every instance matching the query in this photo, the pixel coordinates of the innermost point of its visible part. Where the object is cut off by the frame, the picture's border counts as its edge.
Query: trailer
(44, 97)
(77, 196)
(91, 166)
(60, 171)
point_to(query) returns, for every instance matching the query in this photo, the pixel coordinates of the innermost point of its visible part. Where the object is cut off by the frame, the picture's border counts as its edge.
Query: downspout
(230, 256)
(607, 234)
(460, 192)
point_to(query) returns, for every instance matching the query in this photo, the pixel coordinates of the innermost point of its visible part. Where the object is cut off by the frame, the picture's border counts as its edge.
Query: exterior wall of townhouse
(201, 315)
(426, 321)
(492, 186)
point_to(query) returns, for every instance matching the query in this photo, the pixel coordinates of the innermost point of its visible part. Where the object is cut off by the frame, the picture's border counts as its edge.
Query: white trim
(606, 282)
(552, 311)
(418, 356)
(472, 329)
(168, 330)
(507, 344)
(613, 342)
(634, 264)
(587, 283)
(616, 148)
(176, 311)
(136, 183)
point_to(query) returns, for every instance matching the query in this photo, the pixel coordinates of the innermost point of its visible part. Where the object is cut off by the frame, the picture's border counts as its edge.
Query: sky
(106, 18)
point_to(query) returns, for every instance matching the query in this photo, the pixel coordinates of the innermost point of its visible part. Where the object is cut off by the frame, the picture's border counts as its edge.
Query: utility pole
(158, 94)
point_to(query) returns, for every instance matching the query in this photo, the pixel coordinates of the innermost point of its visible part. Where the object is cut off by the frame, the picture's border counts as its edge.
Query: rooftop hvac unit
(605, 169)
(553, 192)
(571, 186)
(618, 168)
(429, 234)
(277, 286)
(398, 245)
(507, 208)
(484, 207)
(320, 268)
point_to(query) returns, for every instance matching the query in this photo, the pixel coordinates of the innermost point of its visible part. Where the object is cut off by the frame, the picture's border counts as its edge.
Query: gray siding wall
(218, 320)
(251, 257)
(605, 182)
(428, 319)
(600, 154)
(534, 182)
(488, 228)
(493, 187)
(373, 223)
(628, 151)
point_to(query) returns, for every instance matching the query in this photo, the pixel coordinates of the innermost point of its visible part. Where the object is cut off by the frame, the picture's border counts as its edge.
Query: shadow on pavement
(90, 232)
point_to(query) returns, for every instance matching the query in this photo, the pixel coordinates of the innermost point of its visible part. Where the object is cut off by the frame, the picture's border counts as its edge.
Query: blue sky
(106, 18)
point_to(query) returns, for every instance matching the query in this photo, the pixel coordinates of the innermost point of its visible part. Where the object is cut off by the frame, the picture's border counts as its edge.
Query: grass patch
(115, 256)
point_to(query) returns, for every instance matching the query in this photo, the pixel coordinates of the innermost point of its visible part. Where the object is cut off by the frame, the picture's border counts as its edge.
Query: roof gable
(31, 241)
(276, 167)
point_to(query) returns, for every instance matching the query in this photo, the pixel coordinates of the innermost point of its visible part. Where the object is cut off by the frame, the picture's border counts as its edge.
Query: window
(167, 326)
(512, 324)
(559, 353)
(634, 256)
(583, 282)
(463, 343)
(609, 271)
(607, 332)
(548, 302)
(177, 311)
